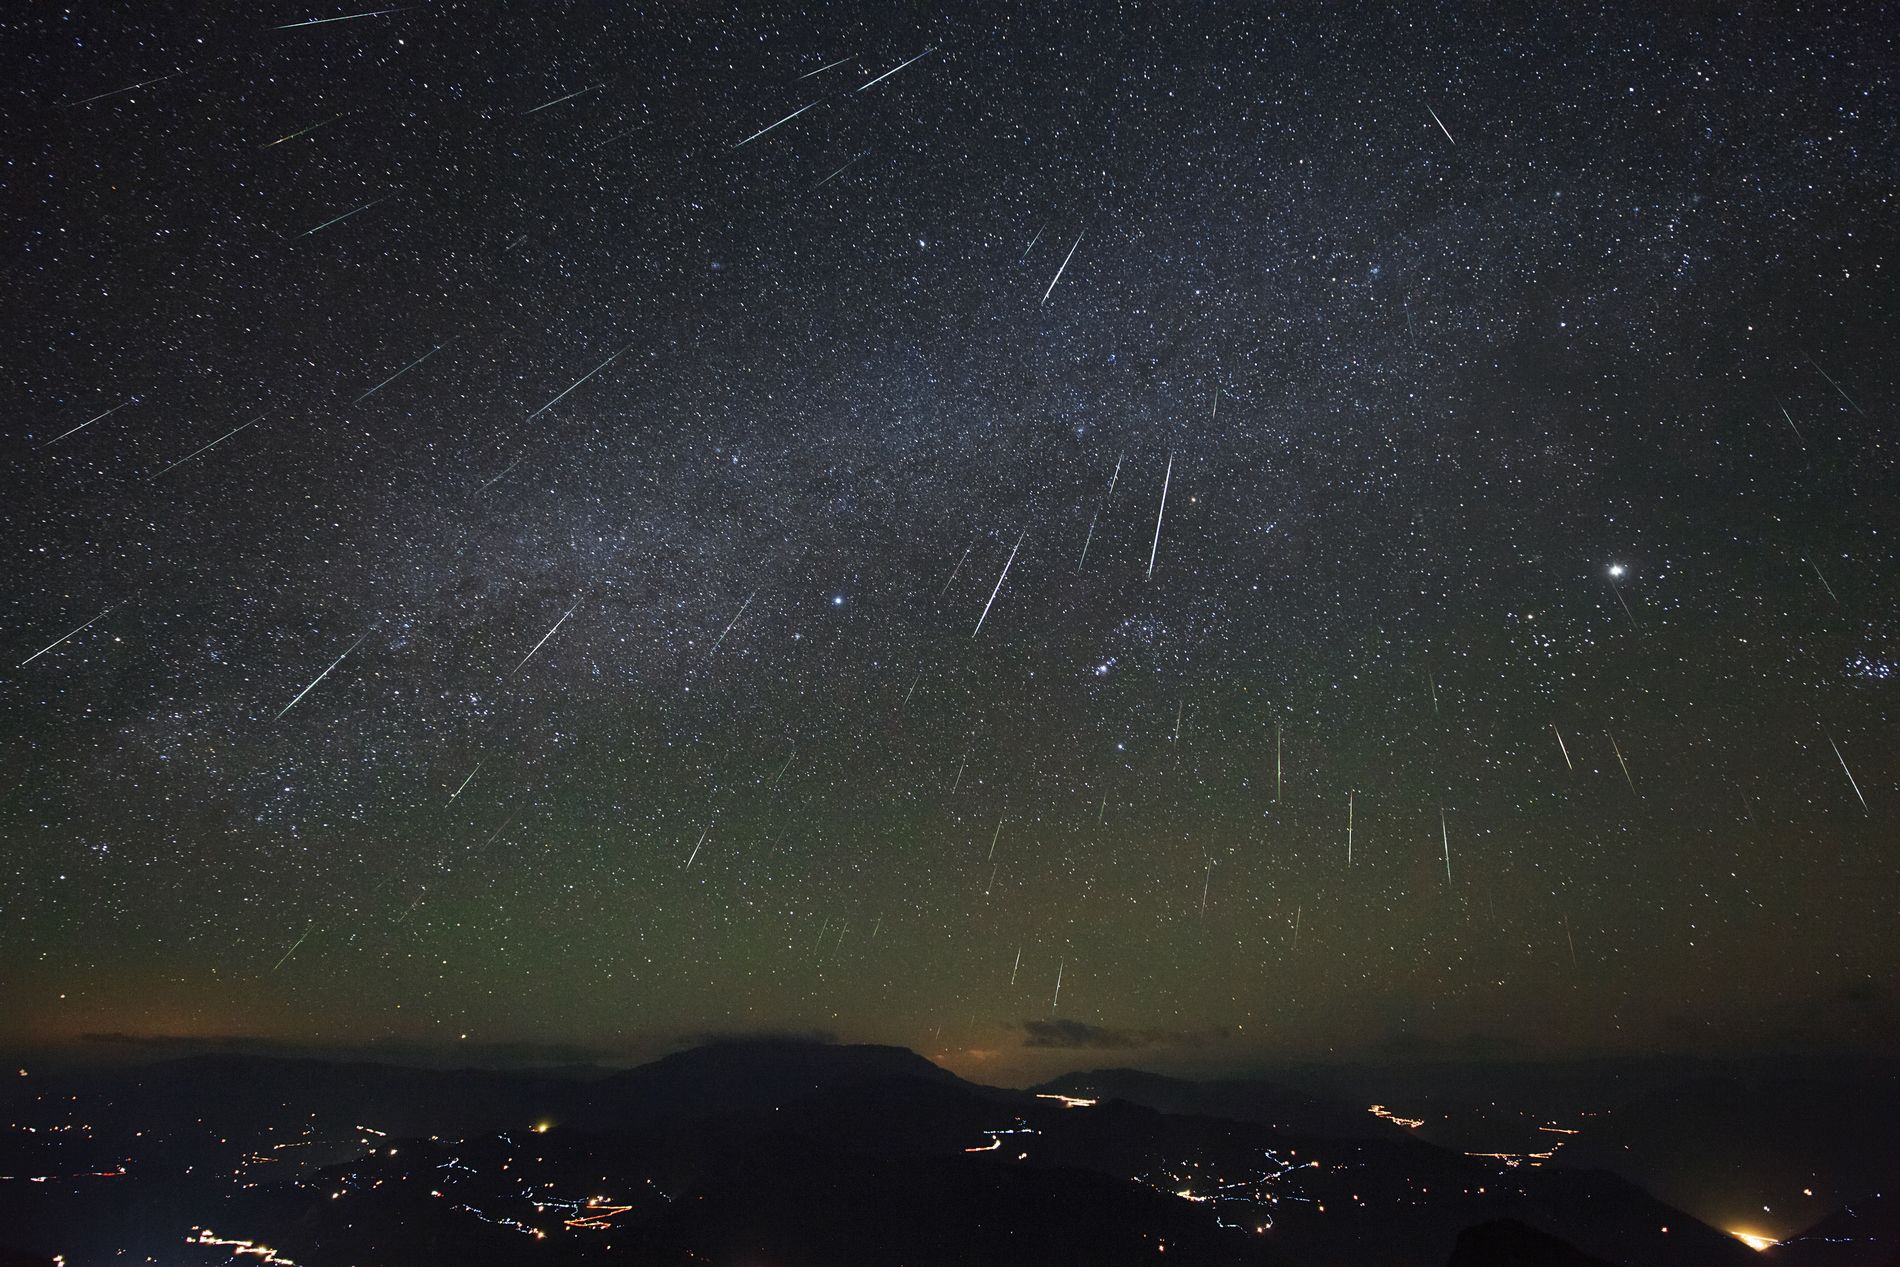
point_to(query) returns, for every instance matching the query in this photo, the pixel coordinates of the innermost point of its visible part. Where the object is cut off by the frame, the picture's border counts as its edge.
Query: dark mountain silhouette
(1509, 1243)
(1865, 1233)
(780, 1151)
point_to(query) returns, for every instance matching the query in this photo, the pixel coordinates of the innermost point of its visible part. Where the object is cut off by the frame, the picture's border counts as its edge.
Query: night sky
(516, 488)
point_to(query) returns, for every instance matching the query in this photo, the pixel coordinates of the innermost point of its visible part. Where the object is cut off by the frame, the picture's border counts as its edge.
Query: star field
(569, 559)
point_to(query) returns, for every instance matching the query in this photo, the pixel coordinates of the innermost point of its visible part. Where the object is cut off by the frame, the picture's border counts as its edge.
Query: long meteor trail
(88, 422)
(345, 216)
(1062, 270)
(345, 17)
(577, 382)
(68, 634)
(326, 673)
(544, 637)
(893, 70)
(999, 584)
(768, 127)
(1156, 547)
(214, 444)
(398, 374)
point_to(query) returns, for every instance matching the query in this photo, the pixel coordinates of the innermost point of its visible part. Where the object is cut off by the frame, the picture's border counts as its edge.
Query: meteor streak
(1444, 833)
(326, 673)
(293, 949)
(1440, 122)
(1625, 765)
(69, 633)
(214, 444)
(822, 69)
(398, 374)
(88, 422)
(345, 216)
(117, 92)
(580, 92)
(577, 382)
(893, 70)
(768, 127)
(1156, 547)
(544, 637)
(695, 853)
(1844, 770)
(345, 17)
(1063, 269)
(735, 620)
(465, 782)
(999, 584)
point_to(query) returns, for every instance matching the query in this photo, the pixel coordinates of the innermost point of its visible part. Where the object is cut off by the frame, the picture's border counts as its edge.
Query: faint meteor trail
(1823, 580)
(1836, 386)
(1062, 270)
(504, 470)
(1017, 967)
(1206, 884)
(1790, 417)
(346, 17)
(1058, 996)
(68, 634)
(345, 216)
(1441, 123)
(1297, 912)
(1085, 542)
(958, 568)
(88, 422)
(398, 374)
(893, 70)
(465, 782)
(544, 637)
(1571, 942)
(1349, 800)
(828, 66)
(577, 382)
(768, 127)
(580, 92)
(300, 132)
(1625, 766)
(1156, 547)
(994, 836)
(1851, 782)
(1031, 246)
(836, 172)
(999, 584)
(735, 620)
(1562, 747)
(1444, 833)
(695, 853)
(1109, 496)
(326, 673)
(293, 949)
(119, 92)
(205, 448)
(1276, 763)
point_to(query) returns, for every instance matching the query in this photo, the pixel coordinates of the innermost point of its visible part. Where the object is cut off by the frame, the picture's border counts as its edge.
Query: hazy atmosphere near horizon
(1056, 535)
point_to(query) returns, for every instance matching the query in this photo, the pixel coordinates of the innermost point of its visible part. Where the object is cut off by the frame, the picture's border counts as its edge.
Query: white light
(1616, 569)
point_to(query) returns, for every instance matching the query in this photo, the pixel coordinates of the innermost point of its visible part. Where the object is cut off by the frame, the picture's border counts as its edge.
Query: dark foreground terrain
(793, 1153)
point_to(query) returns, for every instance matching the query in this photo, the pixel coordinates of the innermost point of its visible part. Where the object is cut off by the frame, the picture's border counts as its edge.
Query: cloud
(1079, 1035)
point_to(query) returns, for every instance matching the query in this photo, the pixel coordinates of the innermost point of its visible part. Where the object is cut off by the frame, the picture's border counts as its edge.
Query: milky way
(595, 524)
